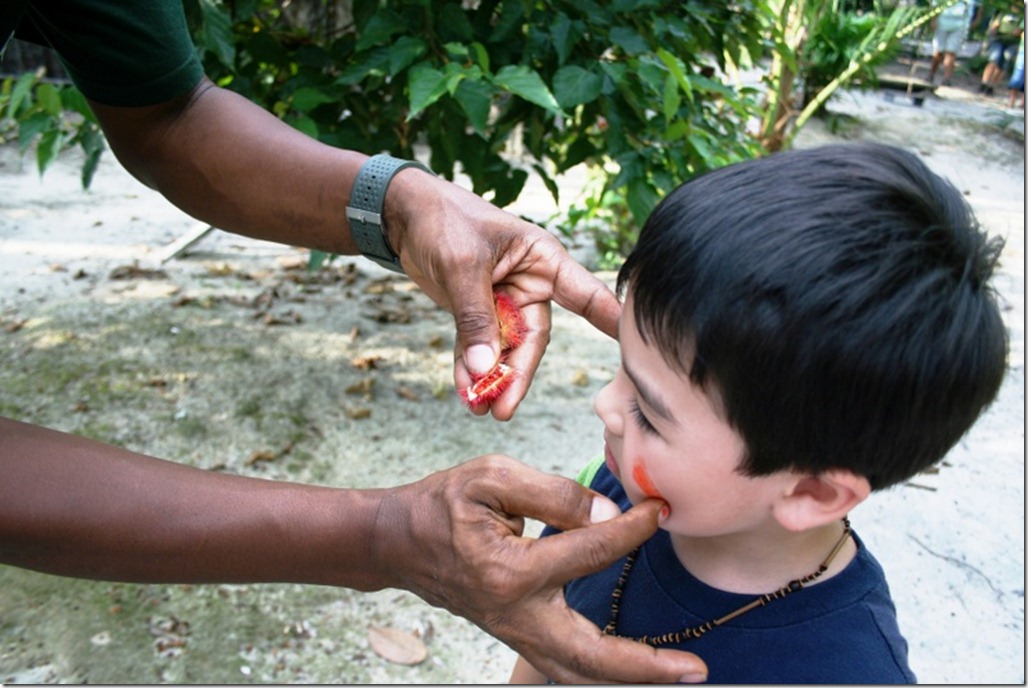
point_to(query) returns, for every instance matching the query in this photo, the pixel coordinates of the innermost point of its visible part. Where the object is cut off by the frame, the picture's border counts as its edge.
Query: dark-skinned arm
(77, 507)
(223, 159)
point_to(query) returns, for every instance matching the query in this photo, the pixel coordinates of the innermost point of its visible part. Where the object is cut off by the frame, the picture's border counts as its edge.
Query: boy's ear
(815, 500)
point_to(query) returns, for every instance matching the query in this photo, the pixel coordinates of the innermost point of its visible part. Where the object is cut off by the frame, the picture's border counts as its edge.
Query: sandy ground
(231, 358)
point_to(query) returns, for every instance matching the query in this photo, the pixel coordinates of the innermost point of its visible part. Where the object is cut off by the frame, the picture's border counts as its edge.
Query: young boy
(798, 331)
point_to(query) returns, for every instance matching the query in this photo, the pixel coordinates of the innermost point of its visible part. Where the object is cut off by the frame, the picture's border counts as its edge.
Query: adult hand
(222, 158)
(455, 539)
(456, 246)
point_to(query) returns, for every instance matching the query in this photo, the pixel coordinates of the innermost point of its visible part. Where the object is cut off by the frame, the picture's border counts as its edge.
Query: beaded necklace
(695, 632)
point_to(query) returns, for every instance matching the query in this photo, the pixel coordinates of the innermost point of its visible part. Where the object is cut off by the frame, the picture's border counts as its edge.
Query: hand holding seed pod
(486, 388)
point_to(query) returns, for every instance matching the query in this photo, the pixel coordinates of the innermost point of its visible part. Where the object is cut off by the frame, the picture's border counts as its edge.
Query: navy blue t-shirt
(842, 630)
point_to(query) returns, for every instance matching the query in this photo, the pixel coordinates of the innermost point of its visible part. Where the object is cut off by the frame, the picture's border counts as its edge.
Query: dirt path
(232, 358)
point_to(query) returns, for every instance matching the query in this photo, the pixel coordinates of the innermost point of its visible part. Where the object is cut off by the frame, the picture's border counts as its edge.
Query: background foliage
(627, 86)
(645, 93)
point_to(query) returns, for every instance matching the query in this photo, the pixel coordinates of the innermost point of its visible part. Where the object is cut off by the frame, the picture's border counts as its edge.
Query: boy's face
(665, 438)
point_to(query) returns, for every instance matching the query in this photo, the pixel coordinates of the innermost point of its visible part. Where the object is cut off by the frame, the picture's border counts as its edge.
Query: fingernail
(603, 510)
(479, 358)
(665, 511)
(692, 678)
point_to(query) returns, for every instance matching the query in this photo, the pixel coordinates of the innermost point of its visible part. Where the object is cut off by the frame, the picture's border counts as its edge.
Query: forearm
(230, 163)
(72, 506)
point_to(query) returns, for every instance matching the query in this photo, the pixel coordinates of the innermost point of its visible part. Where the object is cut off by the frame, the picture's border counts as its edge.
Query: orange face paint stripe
(642, 479)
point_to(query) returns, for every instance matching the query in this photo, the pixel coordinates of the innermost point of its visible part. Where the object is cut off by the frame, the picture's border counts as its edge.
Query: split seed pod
(486, 388)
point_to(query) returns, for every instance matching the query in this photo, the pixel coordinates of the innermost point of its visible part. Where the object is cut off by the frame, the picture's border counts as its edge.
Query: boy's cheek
(641, 476)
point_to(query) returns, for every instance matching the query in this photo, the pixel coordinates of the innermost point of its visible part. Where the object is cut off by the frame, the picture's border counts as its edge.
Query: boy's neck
(758, 562)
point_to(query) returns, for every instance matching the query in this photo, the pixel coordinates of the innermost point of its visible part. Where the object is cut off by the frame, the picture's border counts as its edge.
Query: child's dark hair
(837, 301)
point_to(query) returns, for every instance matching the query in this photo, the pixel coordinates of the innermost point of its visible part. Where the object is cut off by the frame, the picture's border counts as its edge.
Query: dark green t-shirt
(118, 52)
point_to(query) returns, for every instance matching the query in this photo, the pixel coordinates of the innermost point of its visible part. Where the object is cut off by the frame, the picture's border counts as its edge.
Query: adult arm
(225, 160)
(76, 507)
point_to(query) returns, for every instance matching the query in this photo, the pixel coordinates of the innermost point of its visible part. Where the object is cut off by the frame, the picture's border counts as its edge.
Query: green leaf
(49, 99)
(672, 98)
(455, 74)
(700, 142)
(72, 99)
(481, 55)
(217, 31)
(31, 127)
(526, 83)
(305, 124)
(641, 198)
(404, 52)
(307, 98)
(380, 28)
(575, 85)
(427, 85)
(508, 188)
(677, 129)
(628, 40)
(510, 19)
(92, 142)
(21, 93)
(475, 98)
(548, 182)
(50, 144)
(375, 61)
(316, 259)
(563, 36)
(677, 69)
(453, 23)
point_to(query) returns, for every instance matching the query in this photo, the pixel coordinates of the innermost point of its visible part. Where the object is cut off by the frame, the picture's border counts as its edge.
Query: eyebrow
(649, 397)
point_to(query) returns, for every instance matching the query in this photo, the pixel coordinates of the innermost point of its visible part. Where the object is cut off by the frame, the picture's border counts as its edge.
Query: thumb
(578, 552)
(478, 333)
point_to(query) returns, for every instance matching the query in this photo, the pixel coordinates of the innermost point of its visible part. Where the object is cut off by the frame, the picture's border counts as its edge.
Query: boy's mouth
(612, 464)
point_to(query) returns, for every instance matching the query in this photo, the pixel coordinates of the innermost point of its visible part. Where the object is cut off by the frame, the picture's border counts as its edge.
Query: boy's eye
(641, 420)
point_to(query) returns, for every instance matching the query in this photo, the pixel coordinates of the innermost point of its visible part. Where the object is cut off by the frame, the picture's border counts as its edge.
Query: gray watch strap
(365, 209)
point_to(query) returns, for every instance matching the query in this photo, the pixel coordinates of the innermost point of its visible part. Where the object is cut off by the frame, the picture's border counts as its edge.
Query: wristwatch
(365, 209)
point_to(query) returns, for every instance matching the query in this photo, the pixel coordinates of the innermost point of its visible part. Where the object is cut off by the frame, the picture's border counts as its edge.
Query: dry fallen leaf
(396, 646)
(365, 387)
(365, 362)
(286, 318)
(127, 272)
(294, 262)
(263, 455)
(580, 378)
(358, 413)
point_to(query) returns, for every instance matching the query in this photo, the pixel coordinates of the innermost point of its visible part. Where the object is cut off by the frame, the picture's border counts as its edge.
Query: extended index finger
(584, 294)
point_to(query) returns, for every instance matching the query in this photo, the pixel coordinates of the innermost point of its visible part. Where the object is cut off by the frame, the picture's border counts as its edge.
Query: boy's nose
(606, 407)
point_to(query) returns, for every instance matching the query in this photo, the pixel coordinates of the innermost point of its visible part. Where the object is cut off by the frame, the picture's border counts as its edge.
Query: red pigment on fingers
(512, 323)
(486, 388)
(642, 479)
(490, 386)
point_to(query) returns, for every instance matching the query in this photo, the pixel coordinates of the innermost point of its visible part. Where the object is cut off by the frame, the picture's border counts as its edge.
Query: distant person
(798, 331)
(1015, 93)
(1002, 37)
(951, 28)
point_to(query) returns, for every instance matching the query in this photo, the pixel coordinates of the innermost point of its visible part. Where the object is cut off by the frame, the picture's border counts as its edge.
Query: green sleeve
(586, 475)
(119, 52)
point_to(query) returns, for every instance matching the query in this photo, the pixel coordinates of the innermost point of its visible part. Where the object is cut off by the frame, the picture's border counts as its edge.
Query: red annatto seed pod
(489, 386)
(512, 323)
